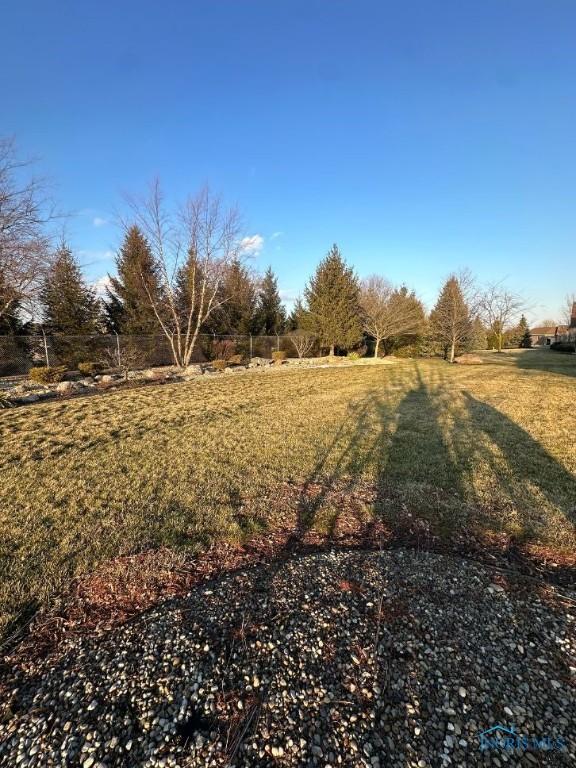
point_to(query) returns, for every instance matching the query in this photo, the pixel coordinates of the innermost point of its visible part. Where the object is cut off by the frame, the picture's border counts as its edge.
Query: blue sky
(420, 136)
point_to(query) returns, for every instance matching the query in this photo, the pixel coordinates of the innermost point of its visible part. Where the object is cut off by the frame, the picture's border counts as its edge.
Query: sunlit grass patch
(181, 465)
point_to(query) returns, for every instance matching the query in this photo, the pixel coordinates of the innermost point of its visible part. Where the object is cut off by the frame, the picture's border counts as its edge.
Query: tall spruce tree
(188, 286)
(333, 303)
(69, 303)
(450, 319)
(297, 319)
(237, 294)
(113, 313)
(128, 305)
(525, 338)
(477, 338)
(270, 316)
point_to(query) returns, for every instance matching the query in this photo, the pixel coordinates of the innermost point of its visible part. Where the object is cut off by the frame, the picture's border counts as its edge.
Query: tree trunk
(452, 351)
(499, 337)
(376, 347)
(332, 350)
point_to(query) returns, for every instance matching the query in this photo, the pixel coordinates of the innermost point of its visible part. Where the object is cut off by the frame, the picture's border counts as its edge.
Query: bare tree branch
(499, 307)
(302, 342)
(387, 311)
(25, 211)
(202, 238)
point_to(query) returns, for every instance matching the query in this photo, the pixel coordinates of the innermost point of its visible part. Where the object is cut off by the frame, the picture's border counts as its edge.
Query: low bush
(353, 355)
(235, 360)
(563, 346)
(219, 365)
(88, 369)
(406, 351)
(47, 374)
(223, 349)
(279, 355)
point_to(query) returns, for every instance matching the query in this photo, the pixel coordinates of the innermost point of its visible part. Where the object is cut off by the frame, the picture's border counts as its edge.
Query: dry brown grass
(489, 448)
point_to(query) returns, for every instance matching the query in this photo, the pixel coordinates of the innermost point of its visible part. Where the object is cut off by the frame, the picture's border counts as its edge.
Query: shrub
(87, 369)
(47, 374)
(302, 342)
(406, 350)
(353, 355)
(235, 360)
(224, 349)
(219, 365)
(279, 355)
(562, 346)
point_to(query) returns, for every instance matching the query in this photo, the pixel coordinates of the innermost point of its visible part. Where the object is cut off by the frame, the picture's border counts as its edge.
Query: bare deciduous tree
(387, 311)
(569, 316)
(193, 249)
(25, 210)
(302, 342)
(499, 307)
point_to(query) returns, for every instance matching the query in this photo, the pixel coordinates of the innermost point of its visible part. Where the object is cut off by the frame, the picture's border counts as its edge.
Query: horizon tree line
(181, 272)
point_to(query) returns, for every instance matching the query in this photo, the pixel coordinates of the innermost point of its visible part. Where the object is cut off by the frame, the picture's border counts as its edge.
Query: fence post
(118, 353)
(278, 342)
(250, 346)
(46, 349)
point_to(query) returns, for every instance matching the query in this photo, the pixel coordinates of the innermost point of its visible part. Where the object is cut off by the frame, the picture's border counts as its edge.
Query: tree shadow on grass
(439, 469)
(537, 359)
(533, 475)
(418, 457)
(418, 475)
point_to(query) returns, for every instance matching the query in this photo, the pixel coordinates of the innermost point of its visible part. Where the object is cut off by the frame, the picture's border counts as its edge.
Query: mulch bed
(124, 587)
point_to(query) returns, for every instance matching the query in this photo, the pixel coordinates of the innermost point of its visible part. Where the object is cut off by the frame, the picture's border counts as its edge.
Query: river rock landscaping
(349, 658)
(15, 392)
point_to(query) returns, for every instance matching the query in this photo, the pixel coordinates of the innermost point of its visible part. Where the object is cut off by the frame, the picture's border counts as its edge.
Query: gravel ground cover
(397, 658)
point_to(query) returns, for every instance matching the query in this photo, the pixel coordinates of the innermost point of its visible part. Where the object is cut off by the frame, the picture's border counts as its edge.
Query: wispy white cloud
(87, 258)
(98, 221)
(252, 245)
(101, 284)
(276, 235)
(288, 296)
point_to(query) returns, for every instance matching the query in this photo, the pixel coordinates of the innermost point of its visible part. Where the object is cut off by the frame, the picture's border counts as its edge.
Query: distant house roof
(548, 330)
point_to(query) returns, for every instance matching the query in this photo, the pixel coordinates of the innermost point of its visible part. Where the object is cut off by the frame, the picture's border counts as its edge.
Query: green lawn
(489, 447)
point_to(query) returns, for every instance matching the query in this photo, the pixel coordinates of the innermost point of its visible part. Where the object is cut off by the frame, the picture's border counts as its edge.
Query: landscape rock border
(27, 392)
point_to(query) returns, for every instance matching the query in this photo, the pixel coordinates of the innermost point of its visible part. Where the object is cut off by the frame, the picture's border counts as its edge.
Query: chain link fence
(18, 354)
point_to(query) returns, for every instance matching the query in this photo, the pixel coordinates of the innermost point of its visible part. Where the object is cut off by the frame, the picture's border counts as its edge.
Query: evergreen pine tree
(270, 314)
(70, 304)
(333, 299)
(113, 313)
(297, 319)
(236, 315)
(450, 319)
(128, 304)
(188, 286)
(477, 338)
(524, 333)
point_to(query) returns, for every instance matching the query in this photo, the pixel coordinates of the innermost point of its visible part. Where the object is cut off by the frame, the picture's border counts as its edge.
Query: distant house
(544, 335)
